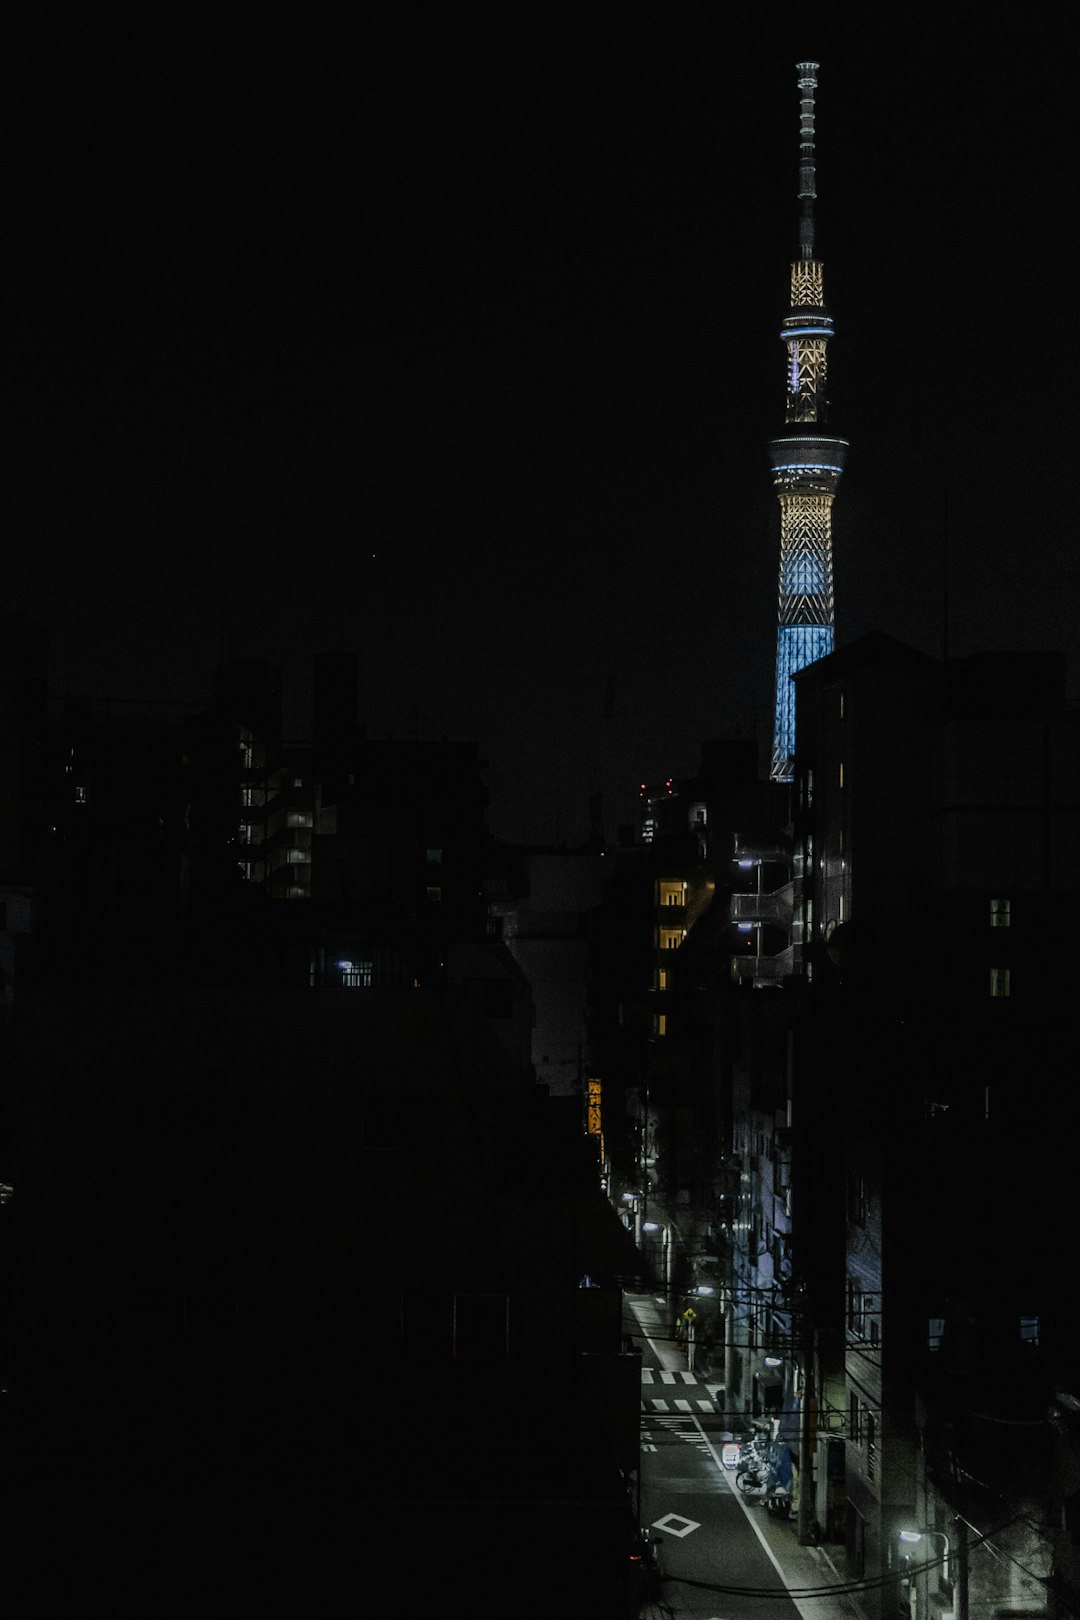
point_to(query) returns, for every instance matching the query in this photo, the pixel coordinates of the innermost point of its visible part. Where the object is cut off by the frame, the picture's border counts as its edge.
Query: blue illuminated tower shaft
(806, 462)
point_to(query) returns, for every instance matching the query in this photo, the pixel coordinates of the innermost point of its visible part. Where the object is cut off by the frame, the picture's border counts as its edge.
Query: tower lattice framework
(806, 461)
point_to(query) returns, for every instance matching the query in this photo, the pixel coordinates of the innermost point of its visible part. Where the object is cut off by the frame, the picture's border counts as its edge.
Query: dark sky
(453, 340)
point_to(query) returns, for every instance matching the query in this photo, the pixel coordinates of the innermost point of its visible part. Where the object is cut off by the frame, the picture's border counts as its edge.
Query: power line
(839, 1588)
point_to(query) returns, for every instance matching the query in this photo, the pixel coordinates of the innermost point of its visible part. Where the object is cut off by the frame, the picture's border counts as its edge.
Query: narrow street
(720, 1556)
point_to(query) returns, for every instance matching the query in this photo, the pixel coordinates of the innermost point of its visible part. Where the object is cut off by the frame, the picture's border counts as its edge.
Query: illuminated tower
(806, 462)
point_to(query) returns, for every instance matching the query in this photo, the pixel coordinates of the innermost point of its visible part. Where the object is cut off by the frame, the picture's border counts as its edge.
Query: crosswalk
(674, 1392)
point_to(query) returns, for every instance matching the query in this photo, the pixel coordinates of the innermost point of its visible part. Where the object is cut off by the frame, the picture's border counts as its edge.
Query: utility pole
(961, 1590)
(807, 1402)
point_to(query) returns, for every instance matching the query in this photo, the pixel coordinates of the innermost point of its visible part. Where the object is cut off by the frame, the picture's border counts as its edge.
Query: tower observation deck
(806, 460)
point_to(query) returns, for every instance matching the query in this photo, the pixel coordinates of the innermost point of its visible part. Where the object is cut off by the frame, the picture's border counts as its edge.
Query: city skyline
(462, 352)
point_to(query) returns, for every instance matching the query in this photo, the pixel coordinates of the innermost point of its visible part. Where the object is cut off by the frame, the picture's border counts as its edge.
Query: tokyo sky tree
(806, 462)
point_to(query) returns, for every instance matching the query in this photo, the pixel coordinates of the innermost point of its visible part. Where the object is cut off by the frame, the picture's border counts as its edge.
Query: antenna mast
(807, 72)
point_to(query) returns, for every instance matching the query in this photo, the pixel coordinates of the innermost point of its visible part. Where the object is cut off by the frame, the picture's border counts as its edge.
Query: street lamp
(912, 1536)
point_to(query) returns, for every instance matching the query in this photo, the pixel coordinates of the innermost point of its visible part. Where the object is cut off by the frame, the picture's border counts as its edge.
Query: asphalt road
(706, 1540)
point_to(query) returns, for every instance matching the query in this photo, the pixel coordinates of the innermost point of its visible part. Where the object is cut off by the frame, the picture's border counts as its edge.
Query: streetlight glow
(917, 1535)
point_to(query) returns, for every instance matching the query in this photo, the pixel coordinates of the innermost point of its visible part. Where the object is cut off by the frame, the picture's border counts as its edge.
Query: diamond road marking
(673, 1524)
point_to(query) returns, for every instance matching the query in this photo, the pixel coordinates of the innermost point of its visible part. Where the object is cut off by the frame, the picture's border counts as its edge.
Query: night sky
(453, 340)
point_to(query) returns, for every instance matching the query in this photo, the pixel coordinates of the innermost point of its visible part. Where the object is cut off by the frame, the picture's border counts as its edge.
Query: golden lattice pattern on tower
(807, 283)
(806, 585)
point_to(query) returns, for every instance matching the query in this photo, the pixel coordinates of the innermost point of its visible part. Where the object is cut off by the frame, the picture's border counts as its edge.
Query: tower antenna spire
(807, 80)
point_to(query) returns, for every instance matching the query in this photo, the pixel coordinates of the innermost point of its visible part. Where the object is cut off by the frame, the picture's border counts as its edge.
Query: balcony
(772, 908)
(764, 969)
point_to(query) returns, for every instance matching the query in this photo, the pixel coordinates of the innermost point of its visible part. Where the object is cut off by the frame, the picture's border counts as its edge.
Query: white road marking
(671, 1522)
(808, 1607)
(667, 1377)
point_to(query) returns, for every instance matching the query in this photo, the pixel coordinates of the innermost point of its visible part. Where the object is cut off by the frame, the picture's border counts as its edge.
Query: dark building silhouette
(939, 825)
(279, 1177)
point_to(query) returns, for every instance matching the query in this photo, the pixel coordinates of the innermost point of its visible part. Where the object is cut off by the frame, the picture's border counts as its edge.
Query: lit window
(356, 975)
(841, 773)
(434, 893)
(662, 979)
(672, 894)
(80, 795)
(1000, 916)
(935, 1331)
(999, 981)
(298, 857)
(1029, 1329)
(670, 939)
(660, 1024)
